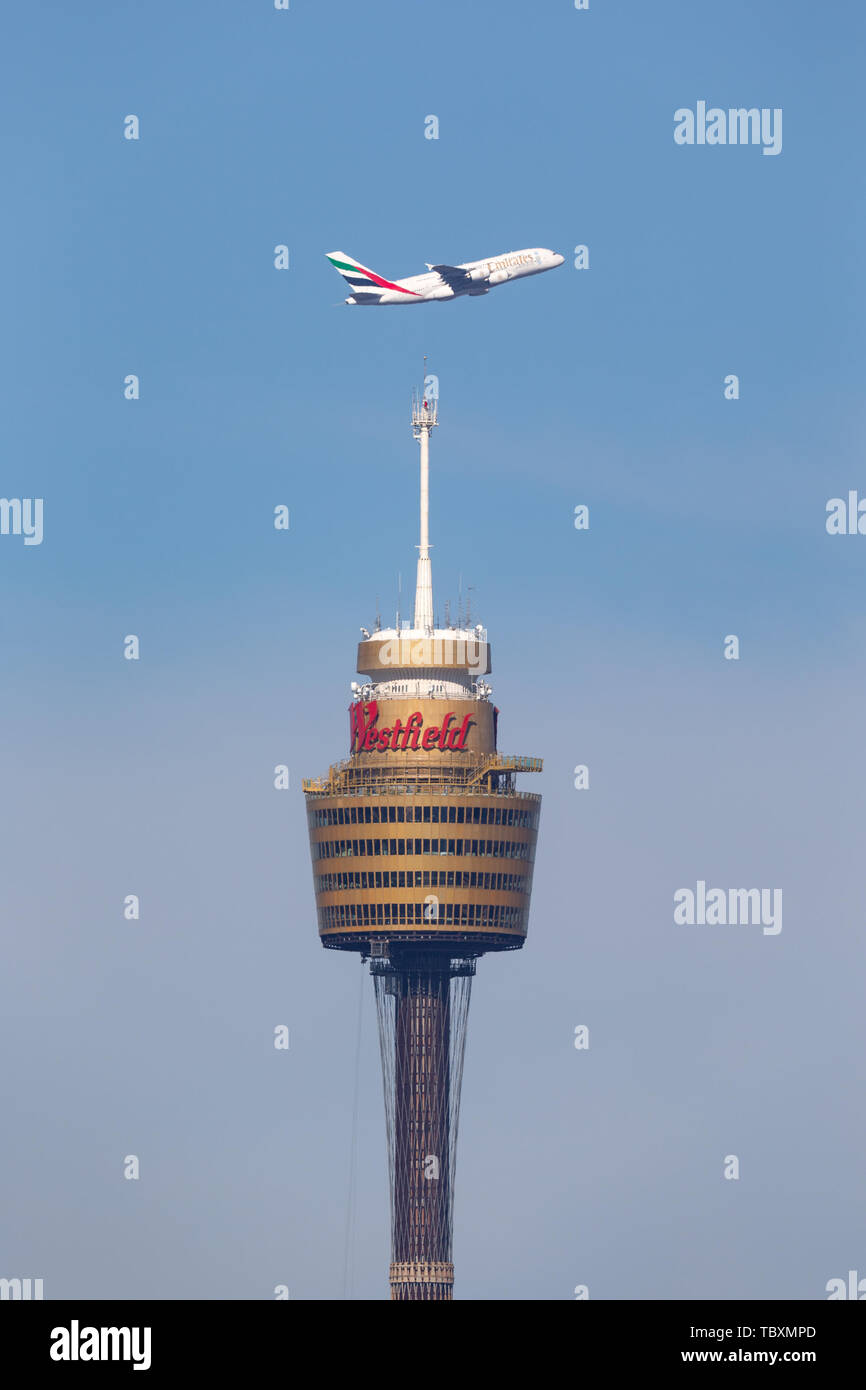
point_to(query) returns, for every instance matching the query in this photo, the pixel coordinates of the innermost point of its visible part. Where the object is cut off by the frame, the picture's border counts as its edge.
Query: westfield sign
(368, 738)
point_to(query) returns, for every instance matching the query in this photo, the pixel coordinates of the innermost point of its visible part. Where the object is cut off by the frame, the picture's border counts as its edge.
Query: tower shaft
(422, 1001)
(421, 1268)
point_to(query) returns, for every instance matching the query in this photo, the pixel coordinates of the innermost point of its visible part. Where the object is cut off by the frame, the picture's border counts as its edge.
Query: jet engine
(498, 276)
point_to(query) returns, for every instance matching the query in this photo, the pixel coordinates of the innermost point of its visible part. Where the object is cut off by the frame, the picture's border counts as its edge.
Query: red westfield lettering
(368, 738)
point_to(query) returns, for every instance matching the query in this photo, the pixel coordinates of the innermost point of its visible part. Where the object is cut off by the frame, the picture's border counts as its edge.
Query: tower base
(422, 1282)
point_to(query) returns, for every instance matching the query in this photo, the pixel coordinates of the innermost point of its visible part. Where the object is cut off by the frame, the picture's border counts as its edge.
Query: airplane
(441, 281)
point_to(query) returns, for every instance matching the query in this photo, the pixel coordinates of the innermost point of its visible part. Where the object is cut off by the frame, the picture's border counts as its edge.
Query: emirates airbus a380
(441, 281)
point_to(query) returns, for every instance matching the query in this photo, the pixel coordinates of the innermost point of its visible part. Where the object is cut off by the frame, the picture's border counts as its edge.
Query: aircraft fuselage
(445, 282)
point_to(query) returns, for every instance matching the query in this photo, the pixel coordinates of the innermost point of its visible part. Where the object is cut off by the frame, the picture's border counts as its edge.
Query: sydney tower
(422, 850)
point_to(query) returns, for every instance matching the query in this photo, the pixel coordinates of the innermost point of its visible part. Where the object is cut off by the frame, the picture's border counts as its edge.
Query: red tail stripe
(386, 284)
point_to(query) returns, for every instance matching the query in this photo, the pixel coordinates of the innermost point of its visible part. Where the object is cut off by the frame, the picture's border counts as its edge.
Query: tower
(423, 848)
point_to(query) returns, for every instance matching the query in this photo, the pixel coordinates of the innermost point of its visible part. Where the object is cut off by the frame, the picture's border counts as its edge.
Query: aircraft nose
(557, 259)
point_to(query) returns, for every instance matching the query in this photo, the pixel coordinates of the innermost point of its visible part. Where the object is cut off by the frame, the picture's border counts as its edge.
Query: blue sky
(602, 387)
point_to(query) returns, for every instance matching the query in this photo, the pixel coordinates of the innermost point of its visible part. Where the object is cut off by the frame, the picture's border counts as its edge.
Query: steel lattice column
(422, 1004)
(421, 1177)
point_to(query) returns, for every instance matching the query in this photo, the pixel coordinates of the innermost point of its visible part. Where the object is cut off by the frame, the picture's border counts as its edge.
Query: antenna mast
(424, 419)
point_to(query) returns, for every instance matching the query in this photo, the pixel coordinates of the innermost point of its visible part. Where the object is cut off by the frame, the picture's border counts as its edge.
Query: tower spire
(424, 419)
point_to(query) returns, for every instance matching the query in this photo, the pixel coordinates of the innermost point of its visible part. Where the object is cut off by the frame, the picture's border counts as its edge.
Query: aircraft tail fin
(365, 284)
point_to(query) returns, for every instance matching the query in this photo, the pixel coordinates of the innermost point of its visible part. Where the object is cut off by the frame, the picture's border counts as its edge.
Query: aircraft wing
(454, 275)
